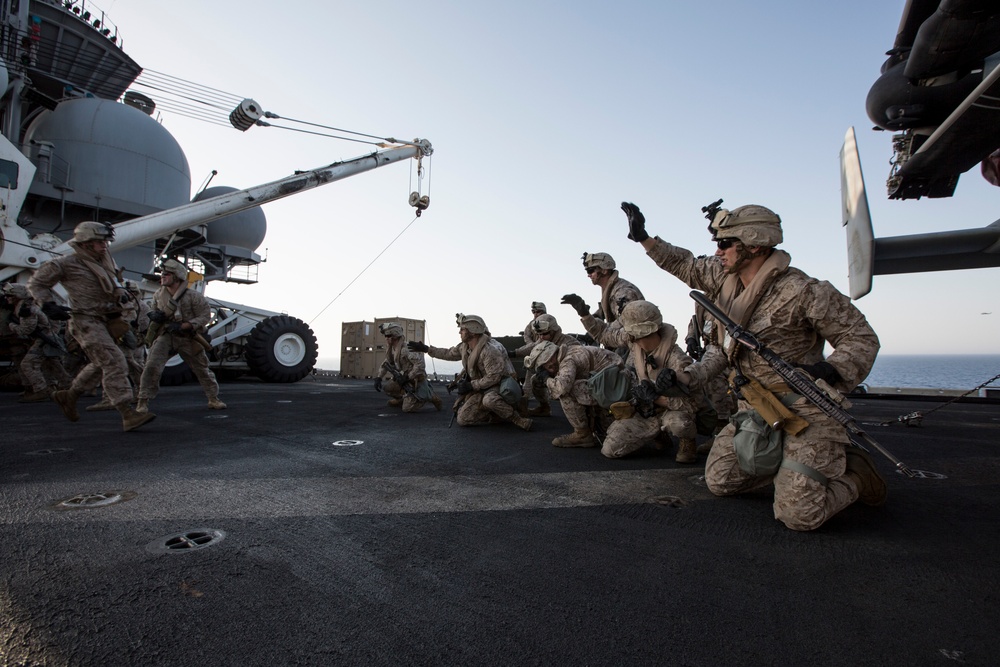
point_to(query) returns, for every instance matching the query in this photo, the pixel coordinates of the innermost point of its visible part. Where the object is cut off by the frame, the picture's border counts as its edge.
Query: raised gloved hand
(157, 316)
(378, 383)
(578, 304)
(416, 346)
(822, 371)
(636, 222)
(463, 387)
(54, 311)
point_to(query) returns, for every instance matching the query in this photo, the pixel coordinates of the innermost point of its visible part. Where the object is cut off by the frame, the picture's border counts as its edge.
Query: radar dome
(114, 156)
(245, 229)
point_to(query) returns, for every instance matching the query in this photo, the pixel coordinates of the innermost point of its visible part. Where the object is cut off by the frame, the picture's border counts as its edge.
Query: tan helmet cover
(176, 268)
(93, 231)
(474, 323)
(752, 224)
(541, 354)
(545, 324)
(640, 319)
(391, 329)
(600, 260)
(538, 305)
(16, 291)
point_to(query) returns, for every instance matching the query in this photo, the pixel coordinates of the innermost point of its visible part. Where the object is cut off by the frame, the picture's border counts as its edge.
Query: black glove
(378, 384)
(416, 346)
(55, 312)
(582, 309)
(644, 393)
(157, 316)
(665, 381)
(636, 222)
(693, 348)
(541, 375)
(463, 387)
(822, 371)
(24, 310)
(174, 328)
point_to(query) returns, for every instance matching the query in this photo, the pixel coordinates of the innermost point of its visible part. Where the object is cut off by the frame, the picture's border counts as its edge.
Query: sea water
(934, 371)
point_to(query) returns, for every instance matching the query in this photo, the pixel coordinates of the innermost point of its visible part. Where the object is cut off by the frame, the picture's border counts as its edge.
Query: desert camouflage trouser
(103, 354)
(574, 404)
(628, 435)
(410, 402)
(40, 370)
(483, 407)
(191, 352)
(800, 502)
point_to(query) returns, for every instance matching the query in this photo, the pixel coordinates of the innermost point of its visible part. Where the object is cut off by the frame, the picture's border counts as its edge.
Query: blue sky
(544, 116)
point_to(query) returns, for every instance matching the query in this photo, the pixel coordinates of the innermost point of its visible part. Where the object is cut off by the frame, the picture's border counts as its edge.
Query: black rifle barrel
(796, 380)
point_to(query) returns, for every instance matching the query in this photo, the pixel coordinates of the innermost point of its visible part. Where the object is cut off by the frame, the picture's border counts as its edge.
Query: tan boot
(215, 404)
(34, 397)
(521, 422)
(705, 447)
(862, 471)
(580, 437)
(66, 400)
(394, 402)
(436, 402)
(543, 410)
(104, 404)
(142, 406)
(522, 406)
(132, 419)
(687, 451)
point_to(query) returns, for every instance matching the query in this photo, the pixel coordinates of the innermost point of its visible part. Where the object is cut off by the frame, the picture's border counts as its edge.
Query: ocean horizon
(934, 371)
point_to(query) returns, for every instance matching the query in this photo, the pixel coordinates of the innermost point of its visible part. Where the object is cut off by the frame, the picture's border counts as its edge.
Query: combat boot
(687, 450)
(215, 404)
(521, 422)
(394, 402)
(543, 410)
(34, 397)
(104, 404)
(580, 437)
(66, 400)
(131, 419)
(142, 406)
(862, 471)
(436, 402)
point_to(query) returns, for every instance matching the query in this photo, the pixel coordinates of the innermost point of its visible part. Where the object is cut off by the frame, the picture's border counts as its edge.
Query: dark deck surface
(356, 535)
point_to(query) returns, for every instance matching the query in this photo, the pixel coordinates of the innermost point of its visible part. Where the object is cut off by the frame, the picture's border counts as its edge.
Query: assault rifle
(397, 375)
(451, 387)
(798, 381)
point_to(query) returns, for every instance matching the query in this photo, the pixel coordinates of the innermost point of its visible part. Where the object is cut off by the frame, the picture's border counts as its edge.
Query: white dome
(245, 229)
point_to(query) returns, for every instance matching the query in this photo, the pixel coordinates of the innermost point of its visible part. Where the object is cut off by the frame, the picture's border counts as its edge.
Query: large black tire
(176, 372)
(281, 349)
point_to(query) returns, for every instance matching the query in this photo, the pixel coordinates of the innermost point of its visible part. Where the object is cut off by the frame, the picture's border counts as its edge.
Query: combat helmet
(475, 324)
(93, 231)
(391, 329)
(599, 260)
(538, 305)
(546, 324)
(16, 291)
(175, 267)
(541, 354)
(752, 224)
(640, 319)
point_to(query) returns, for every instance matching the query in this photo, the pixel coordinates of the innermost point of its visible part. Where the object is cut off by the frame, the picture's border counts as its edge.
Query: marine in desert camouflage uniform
(96, 296)
(530, 338)
(794, 315)
(546, 328)
(485, 364)
(664, 372)
(415, 390)
(565, 370)
(181, 315)
(615, 290)
(40, 365)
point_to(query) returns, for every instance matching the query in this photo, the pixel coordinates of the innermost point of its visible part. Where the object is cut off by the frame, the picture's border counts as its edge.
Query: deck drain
(46, 452)
(84, 501)
(284, 401)
(190, 540)
(346, 443)
(216, 416)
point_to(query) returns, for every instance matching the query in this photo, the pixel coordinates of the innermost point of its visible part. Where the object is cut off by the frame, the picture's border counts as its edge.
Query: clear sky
(545, 116)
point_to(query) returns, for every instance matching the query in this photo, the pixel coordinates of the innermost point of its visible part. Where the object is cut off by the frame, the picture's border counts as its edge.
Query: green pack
(759, 448)
(609, 385)
(510, 390)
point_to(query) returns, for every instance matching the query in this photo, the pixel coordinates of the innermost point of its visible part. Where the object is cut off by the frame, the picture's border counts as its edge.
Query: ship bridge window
(8, 174)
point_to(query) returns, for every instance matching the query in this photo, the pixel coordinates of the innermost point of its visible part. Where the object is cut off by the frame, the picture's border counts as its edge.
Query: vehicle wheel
(176, 372)
(281, 349)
